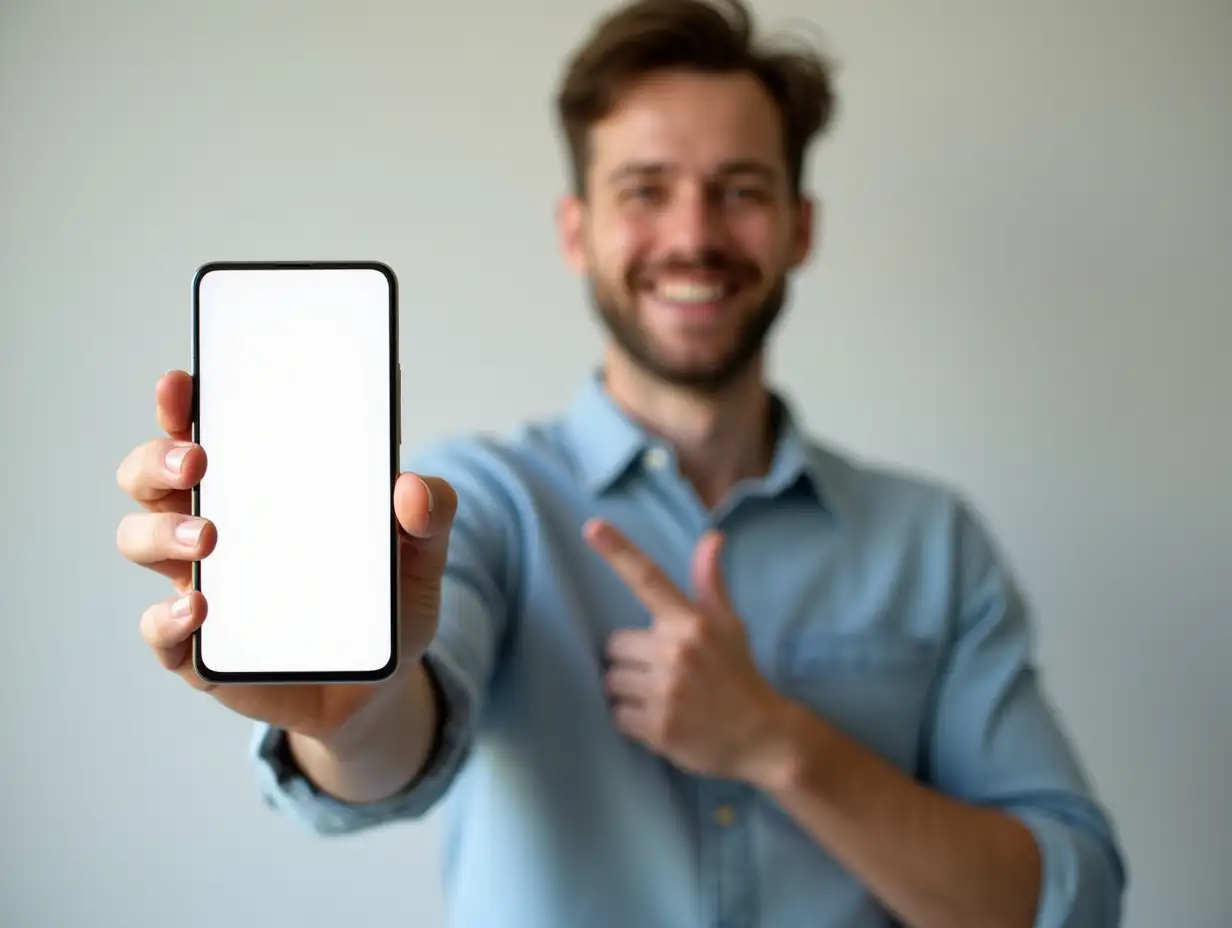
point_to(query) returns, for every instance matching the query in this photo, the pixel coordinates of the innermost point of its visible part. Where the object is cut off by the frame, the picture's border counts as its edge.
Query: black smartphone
(296, 403)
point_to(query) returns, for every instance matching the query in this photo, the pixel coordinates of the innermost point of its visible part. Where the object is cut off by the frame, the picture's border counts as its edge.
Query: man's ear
(571, 230)
(804, 230)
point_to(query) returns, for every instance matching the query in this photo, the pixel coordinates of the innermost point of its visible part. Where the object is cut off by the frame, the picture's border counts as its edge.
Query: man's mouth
(692, 292)
(706, 292)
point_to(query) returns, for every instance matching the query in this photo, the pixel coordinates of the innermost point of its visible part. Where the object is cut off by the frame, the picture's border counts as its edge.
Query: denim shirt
(876, 599)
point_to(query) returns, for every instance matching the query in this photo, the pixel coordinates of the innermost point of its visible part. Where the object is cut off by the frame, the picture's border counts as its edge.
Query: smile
(693, 292)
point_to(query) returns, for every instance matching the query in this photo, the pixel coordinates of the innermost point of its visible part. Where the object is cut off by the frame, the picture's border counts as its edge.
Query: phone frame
(217, 677)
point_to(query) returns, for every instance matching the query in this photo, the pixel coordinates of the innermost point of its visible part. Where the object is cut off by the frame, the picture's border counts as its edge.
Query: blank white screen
(294, 418)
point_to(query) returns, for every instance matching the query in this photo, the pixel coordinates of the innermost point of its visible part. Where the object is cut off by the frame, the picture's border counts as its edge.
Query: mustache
(713, 260)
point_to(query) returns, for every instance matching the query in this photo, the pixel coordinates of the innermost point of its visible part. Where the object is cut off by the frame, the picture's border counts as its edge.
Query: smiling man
(686, 217)
(677, 663)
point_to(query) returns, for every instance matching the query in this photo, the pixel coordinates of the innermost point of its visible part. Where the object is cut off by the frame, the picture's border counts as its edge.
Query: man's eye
(643, 192)
(746, 194)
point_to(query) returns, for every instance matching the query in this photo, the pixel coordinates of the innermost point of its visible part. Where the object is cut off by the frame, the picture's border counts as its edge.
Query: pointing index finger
(640, 574)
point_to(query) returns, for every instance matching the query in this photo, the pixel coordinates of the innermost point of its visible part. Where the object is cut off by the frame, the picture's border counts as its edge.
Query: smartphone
(296, 405)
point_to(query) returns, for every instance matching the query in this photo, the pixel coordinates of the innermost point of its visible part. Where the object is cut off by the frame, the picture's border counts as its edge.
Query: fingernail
(181, 608)
(188, 532)
(175, 458)
(431, 498)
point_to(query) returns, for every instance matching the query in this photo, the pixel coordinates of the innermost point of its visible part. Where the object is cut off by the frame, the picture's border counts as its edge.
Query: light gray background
(1023, 286)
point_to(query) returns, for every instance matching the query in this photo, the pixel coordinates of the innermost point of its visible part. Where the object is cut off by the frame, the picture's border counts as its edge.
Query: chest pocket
(876, 687)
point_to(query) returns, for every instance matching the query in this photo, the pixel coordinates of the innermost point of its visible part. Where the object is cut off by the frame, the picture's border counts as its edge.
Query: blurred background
(1023, 286)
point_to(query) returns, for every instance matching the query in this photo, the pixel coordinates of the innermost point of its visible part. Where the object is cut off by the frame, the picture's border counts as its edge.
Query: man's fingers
(630, 684)
(707, 570)
(173, 399)
(161, 473)
(152, 538)
(167, 627)
(636, 720)
(634, 646)
(425, 506)
(639, 573)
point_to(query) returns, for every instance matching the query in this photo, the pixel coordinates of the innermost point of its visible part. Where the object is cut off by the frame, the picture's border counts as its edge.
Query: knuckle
(672, 689)
(687, 642)
(147, 626)
(617, 642)
(146, 473)
(666, 726)
(646, 575)
(154, 629)
(146, 460)
(168, 634)
(689, 656)
(147, 536)
(677, 653)
(693, 630)
(126, 473)
(127, 534)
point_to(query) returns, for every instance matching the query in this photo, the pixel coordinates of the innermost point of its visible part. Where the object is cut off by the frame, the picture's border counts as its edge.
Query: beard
(619, 316)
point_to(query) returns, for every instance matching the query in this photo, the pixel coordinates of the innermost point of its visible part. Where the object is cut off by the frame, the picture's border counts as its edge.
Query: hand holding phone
(268, 628)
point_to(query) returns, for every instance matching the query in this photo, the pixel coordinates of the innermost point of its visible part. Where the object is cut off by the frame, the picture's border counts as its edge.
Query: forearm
(934, 861)
(380, 750)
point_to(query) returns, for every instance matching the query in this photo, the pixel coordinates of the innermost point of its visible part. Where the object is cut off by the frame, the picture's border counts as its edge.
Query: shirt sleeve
(996, 741)
(478, 588)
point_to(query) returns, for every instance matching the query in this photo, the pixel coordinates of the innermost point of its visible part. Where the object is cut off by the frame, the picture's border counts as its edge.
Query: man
(675, 663)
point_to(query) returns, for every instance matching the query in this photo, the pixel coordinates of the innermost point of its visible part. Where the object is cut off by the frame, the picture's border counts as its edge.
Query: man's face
(689, 228)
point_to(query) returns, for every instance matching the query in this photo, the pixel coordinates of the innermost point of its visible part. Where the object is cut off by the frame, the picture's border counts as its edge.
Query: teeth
(689, 291)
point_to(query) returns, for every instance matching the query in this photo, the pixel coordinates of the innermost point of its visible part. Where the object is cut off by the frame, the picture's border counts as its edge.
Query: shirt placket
(723, 810)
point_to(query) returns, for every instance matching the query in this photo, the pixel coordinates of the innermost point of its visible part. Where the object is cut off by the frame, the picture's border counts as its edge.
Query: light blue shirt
(875, 598)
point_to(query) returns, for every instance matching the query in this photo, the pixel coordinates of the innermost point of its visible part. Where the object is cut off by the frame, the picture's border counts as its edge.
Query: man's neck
(719, 438)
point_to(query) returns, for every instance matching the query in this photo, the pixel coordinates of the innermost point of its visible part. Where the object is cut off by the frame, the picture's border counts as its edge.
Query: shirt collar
(609, 445)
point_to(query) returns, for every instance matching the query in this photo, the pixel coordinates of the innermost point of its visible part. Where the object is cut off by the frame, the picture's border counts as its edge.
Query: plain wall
(1022, 286)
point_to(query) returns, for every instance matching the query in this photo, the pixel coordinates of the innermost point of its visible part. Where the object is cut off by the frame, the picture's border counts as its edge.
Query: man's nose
(692, 223)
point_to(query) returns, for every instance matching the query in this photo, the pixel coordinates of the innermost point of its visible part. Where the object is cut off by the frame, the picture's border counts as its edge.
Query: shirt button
(724, 815)
(656, 459)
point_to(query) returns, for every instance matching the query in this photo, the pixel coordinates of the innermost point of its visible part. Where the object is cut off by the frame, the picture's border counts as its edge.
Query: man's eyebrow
(631, 169)
(636, 169)
(748, 166)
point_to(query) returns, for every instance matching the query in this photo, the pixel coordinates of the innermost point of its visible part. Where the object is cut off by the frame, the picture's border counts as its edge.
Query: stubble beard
(619, 316)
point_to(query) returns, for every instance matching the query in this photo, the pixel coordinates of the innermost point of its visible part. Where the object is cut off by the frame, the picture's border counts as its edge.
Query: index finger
(639, 573)
(154, 471)
(173, 396)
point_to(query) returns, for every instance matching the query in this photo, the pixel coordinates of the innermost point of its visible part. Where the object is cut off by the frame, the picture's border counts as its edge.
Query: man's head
(688, 140)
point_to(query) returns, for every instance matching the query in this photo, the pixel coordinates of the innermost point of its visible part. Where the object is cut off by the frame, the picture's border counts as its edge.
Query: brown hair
(706, 36)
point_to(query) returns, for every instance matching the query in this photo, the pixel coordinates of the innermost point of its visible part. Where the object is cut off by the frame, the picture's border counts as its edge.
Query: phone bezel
(218, 677)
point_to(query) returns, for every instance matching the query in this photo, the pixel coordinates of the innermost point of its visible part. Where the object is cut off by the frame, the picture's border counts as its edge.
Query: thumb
(708, 585)
(425, 508)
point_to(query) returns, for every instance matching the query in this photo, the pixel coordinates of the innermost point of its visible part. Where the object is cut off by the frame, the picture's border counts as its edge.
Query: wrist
(379, 749)
(386, 708)
(775, 757)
